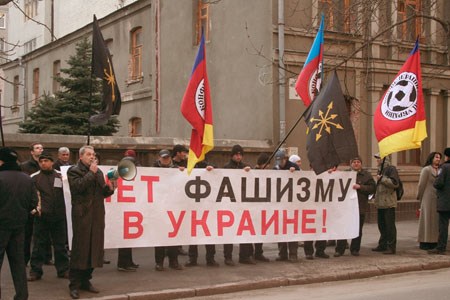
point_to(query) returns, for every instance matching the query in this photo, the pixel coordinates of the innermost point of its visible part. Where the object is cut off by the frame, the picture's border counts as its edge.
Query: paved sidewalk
(147, 283)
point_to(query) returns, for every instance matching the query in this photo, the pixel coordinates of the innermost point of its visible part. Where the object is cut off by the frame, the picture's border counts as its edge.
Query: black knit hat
(45, 155)
(237, 149)
(8, 155)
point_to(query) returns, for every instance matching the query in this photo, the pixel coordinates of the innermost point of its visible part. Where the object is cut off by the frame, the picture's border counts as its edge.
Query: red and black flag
(102, 68)
(331, 139)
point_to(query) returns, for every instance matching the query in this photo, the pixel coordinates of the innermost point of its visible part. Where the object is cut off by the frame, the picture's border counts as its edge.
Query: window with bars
(411, 29)
(35, 96)
(56, 74)
(136, 53)
(202, 23)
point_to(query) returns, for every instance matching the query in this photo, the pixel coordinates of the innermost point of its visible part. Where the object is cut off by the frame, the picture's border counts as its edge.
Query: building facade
(154, 44)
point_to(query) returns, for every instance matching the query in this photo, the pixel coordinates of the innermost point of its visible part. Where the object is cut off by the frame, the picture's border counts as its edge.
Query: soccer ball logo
(402, 96)
(400, 100)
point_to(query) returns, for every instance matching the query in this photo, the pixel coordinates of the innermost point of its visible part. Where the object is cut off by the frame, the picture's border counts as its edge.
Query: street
(407, 286)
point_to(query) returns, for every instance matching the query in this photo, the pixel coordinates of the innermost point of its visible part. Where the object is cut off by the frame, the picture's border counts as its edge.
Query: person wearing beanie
(180, 156)
(50, 221)
(364, 186)
(294, 158)
(17, 201)
(245, 250)
(287, 251)
(442, 185)
(29, 167)
(165, 161)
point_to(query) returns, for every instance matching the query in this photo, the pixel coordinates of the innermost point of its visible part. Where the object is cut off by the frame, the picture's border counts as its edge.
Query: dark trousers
(29, 238)
(386, 226)
(355, 245)
(172, 253)
(79, 278)
(228, 251)
(245, 251)
(210, 252)
(284, 247)
(57, 231)
(444, 216)
(11, 242)
(124, 258)
(319, 245)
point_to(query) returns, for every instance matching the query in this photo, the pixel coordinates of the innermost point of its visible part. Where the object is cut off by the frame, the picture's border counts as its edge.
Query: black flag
(102, 68)
(331, 139)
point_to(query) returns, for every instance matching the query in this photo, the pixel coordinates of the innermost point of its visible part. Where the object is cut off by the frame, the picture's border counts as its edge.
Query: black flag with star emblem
(102, 68)
(330, 139)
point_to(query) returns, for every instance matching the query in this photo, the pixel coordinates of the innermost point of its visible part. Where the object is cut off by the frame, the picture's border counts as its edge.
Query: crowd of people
(33, 214)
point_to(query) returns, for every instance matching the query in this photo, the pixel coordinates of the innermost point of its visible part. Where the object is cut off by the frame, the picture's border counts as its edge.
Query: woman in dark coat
(88, 190)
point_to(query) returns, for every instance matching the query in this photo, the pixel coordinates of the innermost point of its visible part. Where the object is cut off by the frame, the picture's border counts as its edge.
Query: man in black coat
(88, 190)
(51, 220)
(442, 185)
(16, 203)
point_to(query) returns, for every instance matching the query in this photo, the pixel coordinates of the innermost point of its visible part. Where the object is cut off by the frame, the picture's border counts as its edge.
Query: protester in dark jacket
(442, 185)
(386, 202)
(286, 250)
(51, 220)
(16, 203)
(88, 190)
(364, 186)
(245, 250)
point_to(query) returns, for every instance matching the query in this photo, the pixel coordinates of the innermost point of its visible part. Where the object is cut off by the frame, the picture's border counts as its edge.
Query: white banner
(163, 207)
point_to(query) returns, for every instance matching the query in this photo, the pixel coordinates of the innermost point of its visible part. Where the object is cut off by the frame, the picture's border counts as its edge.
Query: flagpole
(286, 136)
(90, 94)
(1, 128)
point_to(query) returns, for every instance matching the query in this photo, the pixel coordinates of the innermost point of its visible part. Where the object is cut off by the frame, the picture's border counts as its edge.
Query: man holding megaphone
(89, 190)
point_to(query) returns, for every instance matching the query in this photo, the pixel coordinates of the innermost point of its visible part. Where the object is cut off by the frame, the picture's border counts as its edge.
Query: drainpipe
(281, 72)
(25, 96)
(157, 66)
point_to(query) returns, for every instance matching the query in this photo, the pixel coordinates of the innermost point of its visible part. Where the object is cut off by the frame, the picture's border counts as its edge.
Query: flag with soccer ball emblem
(399, 120)
(196, 107)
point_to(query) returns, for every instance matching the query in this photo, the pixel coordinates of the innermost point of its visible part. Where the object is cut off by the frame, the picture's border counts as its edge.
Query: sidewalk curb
(373, 271)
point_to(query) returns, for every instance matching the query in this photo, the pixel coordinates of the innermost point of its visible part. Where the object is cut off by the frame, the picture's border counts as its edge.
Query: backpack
(399, 191)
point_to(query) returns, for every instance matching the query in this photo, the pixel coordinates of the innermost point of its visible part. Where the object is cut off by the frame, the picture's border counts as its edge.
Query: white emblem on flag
(400, 101)
(200, 98)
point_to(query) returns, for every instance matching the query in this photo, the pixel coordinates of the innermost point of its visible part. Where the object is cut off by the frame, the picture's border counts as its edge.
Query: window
(202, 20)
(16, 91)
(135, 127)
(2, 20)
(30, 45)
(136, 53)
(108, 44)
(35, 95)
(56, 74)
(411, 29)
(340, 15)
(30, 9)
(2, 45)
